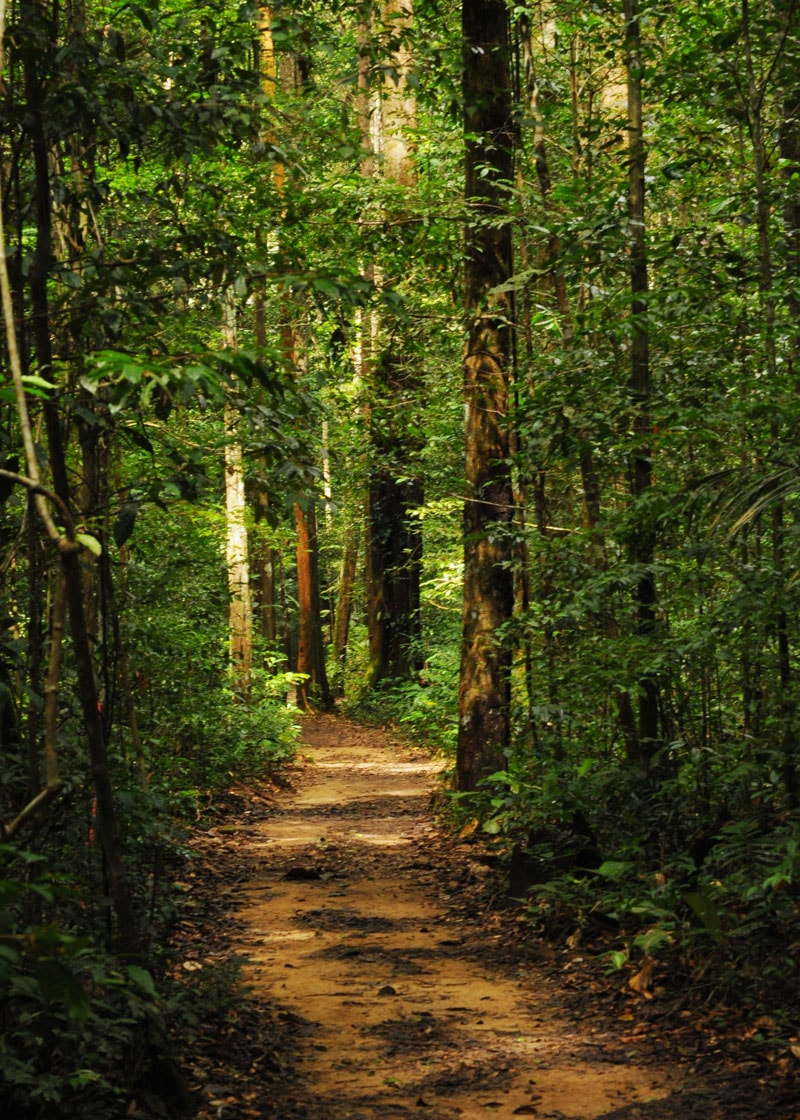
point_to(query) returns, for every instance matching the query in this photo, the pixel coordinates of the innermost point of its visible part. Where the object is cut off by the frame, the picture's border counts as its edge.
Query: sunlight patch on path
(404, 1016)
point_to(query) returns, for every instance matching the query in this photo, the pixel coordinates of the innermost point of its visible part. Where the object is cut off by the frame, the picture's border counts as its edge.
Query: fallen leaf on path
(643, 980)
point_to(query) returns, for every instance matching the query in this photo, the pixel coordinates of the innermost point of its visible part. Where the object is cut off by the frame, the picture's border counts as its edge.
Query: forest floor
(391, 977)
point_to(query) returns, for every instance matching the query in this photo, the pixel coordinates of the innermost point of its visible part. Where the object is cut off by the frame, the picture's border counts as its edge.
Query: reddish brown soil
(391, 978)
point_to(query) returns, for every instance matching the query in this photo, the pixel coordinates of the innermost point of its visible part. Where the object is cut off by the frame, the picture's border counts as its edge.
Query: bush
(77, 1025)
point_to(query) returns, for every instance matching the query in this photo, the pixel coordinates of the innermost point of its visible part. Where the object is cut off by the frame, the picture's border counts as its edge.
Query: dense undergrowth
(86, 1030)
(637, 877)
(701, 895)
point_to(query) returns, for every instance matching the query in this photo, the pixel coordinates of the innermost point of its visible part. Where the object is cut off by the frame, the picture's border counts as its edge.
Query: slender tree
(394, 490)
(35, 73)
(642, 546)
(240, 613)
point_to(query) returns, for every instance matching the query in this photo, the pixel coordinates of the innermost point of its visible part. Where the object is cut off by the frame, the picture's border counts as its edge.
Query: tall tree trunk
(484, 683)
(36, 572)
(310, 642)
(642, 546)
(395, 488)
(310, 648)
(240, 613)
(344, 606)
(310, 645)
(263, 559)
(108, 829)
(394, 554)
(263, 567)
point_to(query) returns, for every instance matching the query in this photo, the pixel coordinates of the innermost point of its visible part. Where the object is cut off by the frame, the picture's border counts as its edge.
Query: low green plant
(423, 707)
(74, 1020)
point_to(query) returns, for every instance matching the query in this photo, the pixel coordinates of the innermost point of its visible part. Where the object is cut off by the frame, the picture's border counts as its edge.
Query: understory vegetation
(257, 262)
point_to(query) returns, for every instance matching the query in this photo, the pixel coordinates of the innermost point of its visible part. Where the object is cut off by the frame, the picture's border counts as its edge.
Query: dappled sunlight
(280, 936)
(388, 975)
(382, 767)
(336, 798)
(302, 838)
(381, 839)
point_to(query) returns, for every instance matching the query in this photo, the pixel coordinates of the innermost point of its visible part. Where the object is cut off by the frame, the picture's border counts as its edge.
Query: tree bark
(310, 649)
(642, 545)
(344, 606)
(240, 613)
(484, 685)
(264, 583)
(395, 488)
(127, 932)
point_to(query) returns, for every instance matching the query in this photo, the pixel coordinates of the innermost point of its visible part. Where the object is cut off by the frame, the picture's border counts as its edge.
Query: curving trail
(406, 1003)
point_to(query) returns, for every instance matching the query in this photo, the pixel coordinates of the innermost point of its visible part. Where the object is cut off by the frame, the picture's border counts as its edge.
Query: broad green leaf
(39, 382)
(90, 542)
(614, 869)
(142, 979)
(706, 909)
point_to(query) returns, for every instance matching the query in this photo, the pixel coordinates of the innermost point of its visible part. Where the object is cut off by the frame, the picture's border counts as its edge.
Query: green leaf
(326, 287)
(90, 542)
(124, 523)
(706, 909)
(58, 982)
(34, 379)
(653, 939)
(142, 979)
(9, 953)
(614, 869)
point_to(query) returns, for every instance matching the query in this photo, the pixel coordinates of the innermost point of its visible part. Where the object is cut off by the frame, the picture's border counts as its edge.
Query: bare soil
(392, 978)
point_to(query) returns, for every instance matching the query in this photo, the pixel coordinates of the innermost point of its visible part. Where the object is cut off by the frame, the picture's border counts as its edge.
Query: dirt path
(406, 1006)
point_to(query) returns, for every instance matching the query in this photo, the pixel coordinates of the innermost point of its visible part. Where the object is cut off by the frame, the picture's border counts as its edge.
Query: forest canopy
(435, 362)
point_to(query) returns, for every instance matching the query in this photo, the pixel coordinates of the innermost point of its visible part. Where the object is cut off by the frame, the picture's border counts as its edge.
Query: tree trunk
(127, 933)
(310, 649)
(484, 685)
(240, 614)
(344, 606)
(395, 489)
(310, 645)
(394, 554)
(36, 572)
(263, 565)
(642, 546)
